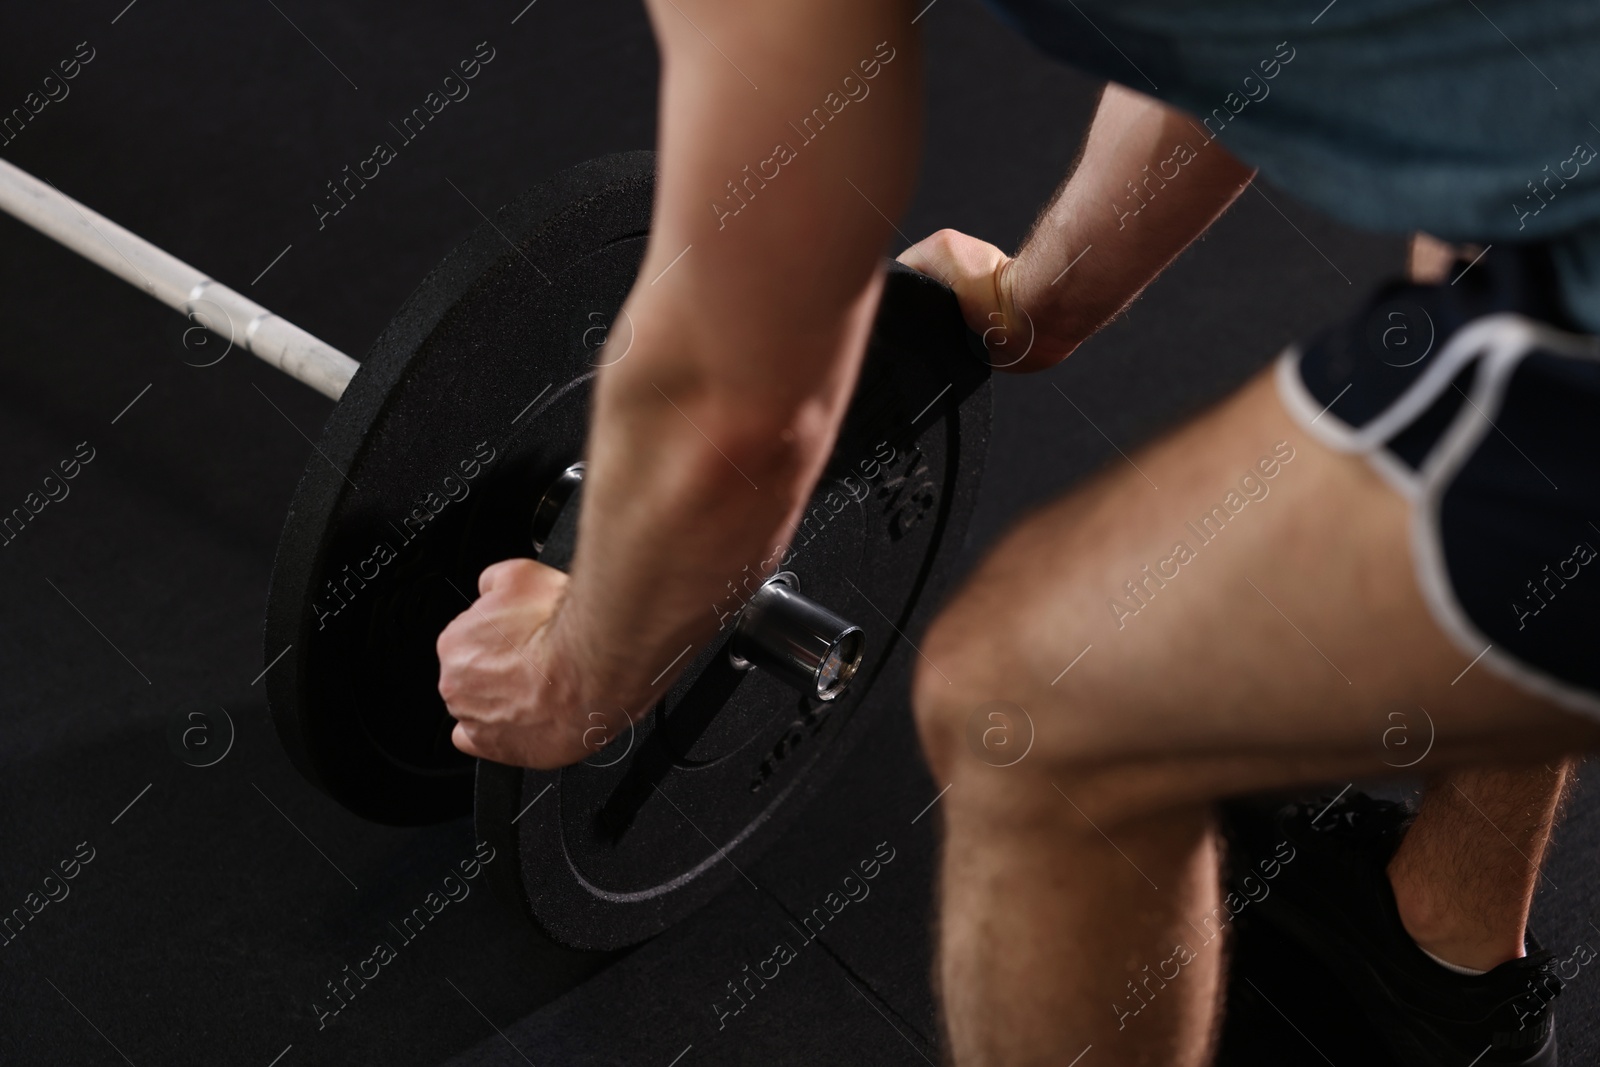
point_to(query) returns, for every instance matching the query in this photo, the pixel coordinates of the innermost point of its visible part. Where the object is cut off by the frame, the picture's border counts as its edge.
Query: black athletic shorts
(1479, 400)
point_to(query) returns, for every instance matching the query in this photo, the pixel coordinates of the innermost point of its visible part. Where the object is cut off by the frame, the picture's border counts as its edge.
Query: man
(1344, 548)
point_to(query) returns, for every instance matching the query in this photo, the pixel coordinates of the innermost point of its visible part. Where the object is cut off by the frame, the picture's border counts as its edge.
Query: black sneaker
(1332, 897)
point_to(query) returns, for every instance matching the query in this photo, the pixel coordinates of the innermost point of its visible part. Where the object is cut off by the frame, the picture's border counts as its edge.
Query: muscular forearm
(747, 325)
(1149, 181)
(682, 495)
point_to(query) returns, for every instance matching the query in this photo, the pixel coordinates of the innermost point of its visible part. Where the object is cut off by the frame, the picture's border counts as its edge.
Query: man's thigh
(1234, 608)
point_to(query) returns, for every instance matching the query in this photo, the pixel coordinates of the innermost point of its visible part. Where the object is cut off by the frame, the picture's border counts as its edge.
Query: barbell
(458, 441)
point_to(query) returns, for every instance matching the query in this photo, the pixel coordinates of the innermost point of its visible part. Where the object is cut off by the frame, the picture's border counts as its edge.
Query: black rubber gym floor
(212, 908)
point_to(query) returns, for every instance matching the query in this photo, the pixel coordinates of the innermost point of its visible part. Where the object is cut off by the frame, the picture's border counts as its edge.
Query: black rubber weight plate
(613, 850)
(472, 401)
(427, 471)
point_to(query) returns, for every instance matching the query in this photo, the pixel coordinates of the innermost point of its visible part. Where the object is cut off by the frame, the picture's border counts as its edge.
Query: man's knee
(995, 708)
(978, 694)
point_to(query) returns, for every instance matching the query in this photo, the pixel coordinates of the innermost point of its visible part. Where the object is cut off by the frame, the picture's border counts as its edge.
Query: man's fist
(495, 676)
(977, 272)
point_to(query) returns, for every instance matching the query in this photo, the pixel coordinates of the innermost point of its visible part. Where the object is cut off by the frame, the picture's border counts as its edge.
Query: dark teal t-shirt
(1473, 120)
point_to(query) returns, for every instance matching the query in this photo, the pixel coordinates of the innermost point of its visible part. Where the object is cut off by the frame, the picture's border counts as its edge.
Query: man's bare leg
(1053, 940)
(1272, 658)
(1465, 874)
